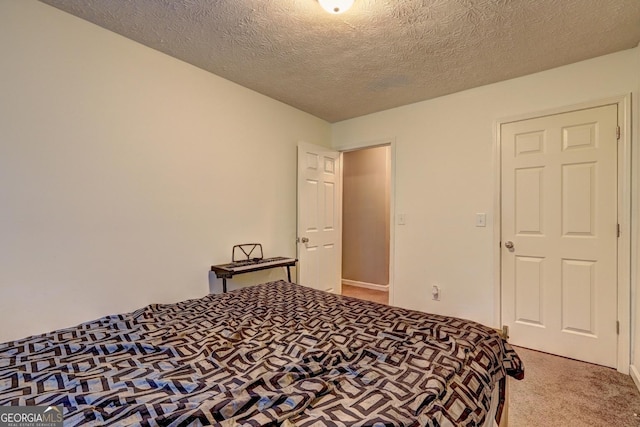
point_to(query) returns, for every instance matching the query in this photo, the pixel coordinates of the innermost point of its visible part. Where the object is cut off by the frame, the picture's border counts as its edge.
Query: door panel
(578, 302)
(578, 199)
(559, 209)
(319, 232)
(329, 206)
(528, 284)
(528, 210)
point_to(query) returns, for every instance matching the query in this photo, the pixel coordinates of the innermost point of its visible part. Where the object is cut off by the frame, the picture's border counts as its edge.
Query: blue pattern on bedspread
(272, 354)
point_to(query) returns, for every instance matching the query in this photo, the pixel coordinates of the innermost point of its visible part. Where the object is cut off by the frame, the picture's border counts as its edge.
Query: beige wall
(445, 173)
(365, 216)
(124, 173)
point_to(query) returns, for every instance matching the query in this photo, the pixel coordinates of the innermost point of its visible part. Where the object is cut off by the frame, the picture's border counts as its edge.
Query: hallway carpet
(380, 297)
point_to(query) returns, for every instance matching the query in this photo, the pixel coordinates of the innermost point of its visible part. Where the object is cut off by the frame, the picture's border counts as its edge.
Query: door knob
(508, 244)
(305, 240)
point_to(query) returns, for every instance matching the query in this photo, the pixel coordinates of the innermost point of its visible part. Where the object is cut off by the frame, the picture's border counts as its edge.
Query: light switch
(481, 220)
(401, 219)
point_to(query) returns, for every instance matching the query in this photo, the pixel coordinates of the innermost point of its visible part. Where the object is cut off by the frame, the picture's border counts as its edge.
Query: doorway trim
(624, 216)
(391, 143)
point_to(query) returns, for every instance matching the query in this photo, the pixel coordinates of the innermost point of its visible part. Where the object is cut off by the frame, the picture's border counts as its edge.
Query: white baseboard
(374, 286)
(635, 375)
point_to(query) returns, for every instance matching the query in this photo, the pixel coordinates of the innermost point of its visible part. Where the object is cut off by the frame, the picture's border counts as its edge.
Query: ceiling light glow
(336, 6)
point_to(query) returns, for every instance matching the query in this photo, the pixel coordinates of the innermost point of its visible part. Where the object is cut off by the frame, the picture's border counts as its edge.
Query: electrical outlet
(435, 293)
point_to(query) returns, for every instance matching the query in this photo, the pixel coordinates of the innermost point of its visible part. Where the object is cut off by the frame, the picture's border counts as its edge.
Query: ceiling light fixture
(335, 6)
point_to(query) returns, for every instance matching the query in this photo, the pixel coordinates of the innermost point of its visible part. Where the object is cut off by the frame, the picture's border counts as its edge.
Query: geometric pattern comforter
(271, 354)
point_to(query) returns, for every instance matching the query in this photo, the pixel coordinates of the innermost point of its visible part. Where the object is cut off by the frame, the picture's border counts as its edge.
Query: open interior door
(319, 229)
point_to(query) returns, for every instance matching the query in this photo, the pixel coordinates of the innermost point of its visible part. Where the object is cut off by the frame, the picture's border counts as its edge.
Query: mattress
(271, 354)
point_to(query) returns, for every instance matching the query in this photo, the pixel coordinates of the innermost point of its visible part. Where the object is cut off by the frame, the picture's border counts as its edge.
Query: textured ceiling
(378, 55)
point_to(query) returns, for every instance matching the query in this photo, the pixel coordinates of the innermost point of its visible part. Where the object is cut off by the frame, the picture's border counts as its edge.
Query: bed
(270, 354)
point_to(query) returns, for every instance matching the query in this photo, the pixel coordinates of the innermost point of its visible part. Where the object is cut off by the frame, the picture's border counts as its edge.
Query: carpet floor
(563, 392)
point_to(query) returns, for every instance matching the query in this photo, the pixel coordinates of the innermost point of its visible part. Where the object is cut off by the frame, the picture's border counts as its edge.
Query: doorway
(564, 231)
(366, 222)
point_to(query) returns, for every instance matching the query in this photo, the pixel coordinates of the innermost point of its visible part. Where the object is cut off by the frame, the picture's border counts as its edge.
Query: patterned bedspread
(272, 354)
